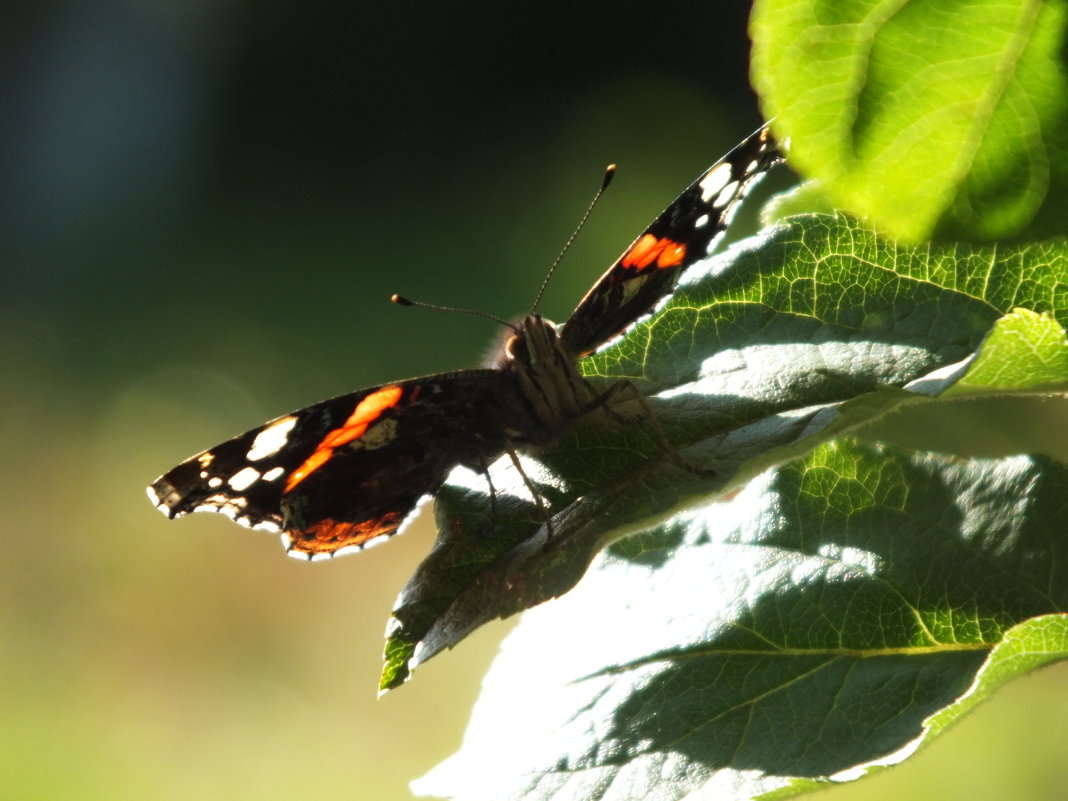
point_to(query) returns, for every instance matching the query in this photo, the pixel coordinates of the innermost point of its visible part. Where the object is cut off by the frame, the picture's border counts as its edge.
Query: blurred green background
(206, 206)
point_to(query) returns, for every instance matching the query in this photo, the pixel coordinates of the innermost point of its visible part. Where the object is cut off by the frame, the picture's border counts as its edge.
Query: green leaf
(925, 117)
(785, 342)
(836, 613)
(1025, 647)
(1025, 351)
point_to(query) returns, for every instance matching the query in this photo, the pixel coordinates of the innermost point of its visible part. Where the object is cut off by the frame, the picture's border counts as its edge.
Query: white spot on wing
(271, 439)
(273, 473)
(371, 543)
(701, 221)
(378, 435)
(729, 193)
(631, 287)
(244, 478)
(717, 178)
(214, 482)
(349, 549)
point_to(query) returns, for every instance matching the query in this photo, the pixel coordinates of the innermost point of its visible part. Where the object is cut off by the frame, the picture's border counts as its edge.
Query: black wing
(684, 233)
(345, 472)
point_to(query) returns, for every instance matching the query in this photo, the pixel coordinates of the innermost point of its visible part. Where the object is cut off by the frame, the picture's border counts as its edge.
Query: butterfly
(342, 474)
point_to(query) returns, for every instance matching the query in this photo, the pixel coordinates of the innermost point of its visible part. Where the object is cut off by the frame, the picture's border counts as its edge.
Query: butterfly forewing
(684, 233)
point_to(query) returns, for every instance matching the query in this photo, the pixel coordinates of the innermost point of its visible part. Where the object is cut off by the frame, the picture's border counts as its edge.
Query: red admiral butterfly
(341, 474)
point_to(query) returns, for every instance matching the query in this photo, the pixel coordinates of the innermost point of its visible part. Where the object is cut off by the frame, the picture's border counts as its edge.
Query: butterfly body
(546, 375)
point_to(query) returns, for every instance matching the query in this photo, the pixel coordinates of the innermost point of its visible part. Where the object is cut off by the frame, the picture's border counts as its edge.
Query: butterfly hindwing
(684, 233)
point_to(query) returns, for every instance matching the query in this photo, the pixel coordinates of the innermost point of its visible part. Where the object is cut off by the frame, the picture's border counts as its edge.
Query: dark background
(205, 207)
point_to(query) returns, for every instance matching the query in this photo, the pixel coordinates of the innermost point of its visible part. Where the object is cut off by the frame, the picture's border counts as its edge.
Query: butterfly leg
(484, 469)
(535, 493)
(669, 450)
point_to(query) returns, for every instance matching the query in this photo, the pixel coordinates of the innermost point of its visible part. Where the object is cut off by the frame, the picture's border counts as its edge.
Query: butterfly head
(533, 341)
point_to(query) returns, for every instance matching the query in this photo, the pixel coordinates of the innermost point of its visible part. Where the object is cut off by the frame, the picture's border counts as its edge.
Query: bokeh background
(205, 207)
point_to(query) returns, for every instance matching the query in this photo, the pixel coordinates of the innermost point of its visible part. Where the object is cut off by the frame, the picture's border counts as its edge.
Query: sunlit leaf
(927, 118)
(829, 618)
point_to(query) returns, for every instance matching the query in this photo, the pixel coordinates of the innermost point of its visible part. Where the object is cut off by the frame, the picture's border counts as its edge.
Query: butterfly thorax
(546, 374)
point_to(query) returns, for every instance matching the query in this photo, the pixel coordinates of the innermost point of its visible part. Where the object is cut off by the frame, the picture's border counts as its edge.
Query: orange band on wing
(665, 252)
(328, 535)
(366, 412)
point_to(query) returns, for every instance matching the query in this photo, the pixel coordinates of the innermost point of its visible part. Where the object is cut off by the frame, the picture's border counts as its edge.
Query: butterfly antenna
(609, 171)
(400, 300)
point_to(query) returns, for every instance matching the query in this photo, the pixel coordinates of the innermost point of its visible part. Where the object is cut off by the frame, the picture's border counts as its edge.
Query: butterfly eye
(511, 346)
